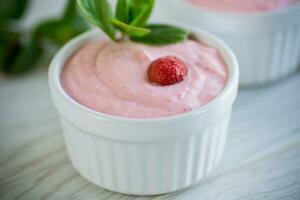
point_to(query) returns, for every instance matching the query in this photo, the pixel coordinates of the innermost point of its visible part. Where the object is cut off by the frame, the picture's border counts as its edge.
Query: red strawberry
(167, 70)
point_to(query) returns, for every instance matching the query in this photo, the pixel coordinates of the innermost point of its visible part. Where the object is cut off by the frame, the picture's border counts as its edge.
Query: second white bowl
(267, 44)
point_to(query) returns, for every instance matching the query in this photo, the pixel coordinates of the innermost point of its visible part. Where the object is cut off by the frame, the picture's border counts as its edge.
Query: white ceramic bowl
(267, 44)
(144, 156)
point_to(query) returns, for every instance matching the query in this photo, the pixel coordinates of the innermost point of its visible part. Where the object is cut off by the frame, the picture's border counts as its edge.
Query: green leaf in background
(99, 13)
(18, 59)
(140, 11)
(12, 9)
(162, 35)
(27, 58)
(18, 56)
(130, 30)
(55, 31)
(9, 48)
(59, 31)
(123, 10)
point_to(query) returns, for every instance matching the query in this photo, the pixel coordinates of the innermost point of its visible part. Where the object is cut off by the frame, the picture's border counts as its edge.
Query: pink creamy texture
(112, 78)
(243, 5)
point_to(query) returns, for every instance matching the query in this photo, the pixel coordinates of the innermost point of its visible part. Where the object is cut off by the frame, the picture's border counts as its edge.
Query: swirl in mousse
(112, 78)
(243, 5)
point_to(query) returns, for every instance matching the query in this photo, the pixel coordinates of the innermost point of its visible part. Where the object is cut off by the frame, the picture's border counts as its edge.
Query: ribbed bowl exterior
(146, 168)
(266, 57)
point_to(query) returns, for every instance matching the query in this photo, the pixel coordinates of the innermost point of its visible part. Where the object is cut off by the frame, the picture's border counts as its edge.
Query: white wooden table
(261, 161)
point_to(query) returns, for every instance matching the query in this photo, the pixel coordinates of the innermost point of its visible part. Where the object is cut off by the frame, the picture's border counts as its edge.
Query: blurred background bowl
(267, 44)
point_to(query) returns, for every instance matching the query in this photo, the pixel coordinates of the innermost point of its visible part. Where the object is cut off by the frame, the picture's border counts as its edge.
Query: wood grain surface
(261, 161)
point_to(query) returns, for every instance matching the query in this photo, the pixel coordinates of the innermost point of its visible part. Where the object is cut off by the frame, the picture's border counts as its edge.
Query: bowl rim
(68, 49)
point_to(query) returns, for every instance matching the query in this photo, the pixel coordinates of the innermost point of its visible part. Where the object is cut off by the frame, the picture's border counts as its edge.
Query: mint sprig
(140, 11)
(130, 19)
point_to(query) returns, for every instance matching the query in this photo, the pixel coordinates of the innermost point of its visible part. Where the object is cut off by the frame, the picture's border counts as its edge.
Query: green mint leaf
(162, 35)
(25, 61)
(130, 30)
(99, 13)
(140, 11)
(122, 10)
(134, 12)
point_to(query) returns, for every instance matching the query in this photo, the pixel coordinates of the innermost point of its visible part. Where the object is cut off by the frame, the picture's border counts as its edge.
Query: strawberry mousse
(113, 78)
(243, 5)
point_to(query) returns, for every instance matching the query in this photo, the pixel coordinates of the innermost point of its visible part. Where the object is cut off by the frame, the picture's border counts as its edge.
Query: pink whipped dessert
(243, 5)
(112, 78)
